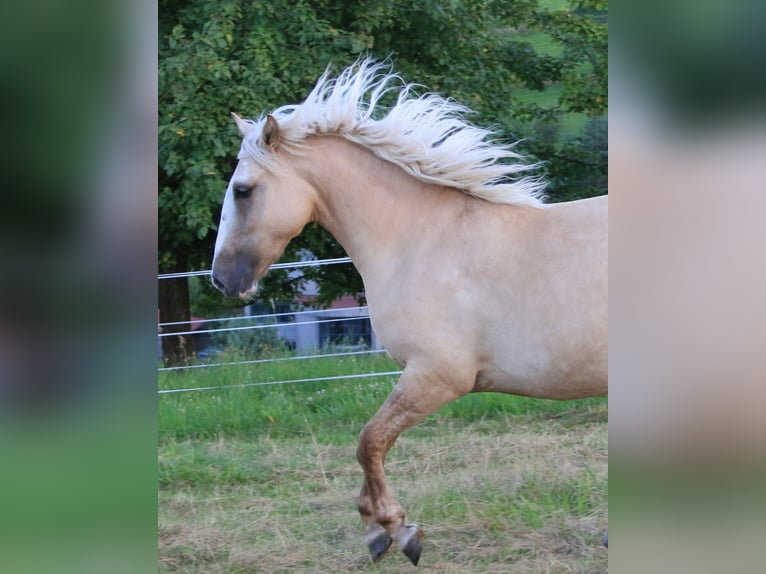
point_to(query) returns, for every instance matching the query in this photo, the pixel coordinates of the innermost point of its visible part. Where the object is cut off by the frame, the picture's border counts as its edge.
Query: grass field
(264, 479)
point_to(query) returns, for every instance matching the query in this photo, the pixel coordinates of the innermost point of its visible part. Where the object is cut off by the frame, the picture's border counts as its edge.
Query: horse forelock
(426, 135)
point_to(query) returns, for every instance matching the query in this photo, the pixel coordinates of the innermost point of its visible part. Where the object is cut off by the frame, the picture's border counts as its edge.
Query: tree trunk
(174, 307)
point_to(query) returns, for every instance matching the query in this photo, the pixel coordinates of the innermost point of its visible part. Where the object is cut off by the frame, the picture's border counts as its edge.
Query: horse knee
(372, 447)
(363, 447)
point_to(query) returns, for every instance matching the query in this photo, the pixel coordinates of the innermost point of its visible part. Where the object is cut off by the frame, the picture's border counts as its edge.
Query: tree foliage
(250, 56)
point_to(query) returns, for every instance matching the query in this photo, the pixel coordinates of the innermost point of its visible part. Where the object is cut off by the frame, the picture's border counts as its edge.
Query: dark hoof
(605, 540)
(414, 547)
(379, 546)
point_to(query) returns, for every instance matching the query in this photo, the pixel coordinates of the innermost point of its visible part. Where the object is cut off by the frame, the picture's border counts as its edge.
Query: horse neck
(369, 205)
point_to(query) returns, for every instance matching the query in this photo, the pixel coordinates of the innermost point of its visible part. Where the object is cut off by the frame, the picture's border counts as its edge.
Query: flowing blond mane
(427, 135)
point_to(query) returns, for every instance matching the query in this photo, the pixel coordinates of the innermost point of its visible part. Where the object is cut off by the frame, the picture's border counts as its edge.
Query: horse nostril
(217, 283)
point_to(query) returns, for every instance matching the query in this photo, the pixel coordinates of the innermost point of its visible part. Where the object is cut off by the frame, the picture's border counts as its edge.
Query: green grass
(332, 409)
(273, 410)
(265, 479)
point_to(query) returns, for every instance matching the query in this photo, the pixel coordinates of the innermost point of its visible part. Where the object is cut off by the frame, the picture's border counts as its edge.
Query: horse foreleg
(416, 396)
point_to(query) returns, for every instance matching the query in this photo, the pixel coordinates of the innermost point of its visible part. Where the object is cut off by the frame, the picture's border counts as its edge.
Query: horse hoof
(379, 546)
(414, 545)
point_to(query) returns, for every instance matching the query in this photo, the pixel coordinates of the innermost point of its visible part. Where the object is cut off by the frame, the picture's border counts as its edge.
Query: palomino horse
(473, 284)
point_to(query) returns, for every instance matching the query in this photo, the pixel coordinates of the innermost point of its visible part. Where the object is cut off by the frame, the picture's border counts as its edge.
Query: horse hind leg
(416, 396)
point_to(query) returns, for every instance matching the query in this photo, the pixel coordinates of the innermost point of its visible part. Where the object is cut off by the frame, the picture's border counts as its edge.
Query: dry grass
(529, 498)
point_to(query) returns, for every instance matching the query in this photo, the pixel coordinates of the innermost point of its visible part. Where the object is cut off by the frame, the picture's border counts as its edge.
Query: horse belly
(536, 363)
(543, 383)
(545, 350)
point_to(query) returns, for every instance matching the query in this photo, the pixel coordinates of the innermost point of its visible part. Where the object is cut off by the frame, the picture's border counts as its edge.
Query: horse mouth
(250, 291)
(247, 286)
(243, 288)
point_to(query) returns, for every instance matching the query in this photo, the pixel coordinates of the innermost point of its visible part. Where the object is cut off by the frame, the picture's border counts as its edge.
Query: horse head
(266, 204)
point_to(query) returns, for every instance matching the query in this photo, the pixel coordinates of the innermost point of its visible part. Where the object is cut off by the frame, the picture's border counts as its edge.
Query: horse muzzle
(234, 280)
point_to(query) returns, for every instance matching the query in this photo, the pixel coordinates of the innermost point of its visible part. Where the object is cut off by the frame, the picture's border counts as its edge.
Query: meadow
(264, 478)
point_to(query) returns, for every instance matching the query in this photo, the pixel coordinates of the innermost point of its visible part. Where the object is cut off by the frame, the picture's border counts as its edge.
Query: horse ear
(243, 126)
(270, 134)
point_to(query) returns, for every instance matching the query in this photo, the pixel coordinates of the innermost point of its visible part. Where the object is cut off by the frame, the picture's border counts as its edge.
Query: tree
(217, 57)
(577, 165)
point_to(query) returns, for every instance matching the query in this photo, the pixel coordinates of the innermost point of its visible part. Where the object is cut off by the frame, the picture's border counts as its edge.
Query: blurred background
(78, 86)
(687, 146)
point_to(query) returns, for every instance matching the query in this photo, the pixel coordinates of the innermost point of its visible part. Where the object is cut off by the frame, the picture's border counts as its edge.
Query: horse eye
(242, 192)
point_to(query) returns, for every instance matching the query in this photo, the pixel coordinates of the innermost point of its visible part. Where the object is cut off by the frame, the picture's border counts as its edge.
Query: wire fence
(257, 327)
(276, 316)
(274, 360)
(297, 318)
(287, 382)
(292, 265)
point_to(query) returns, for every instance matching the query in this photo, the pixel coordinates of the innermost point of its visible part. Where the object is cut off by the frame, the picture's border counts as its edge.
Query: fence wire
(274, 360)
(292, 265)
(271, 317)
(276, 316)
(287, 382)
(267, 326)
